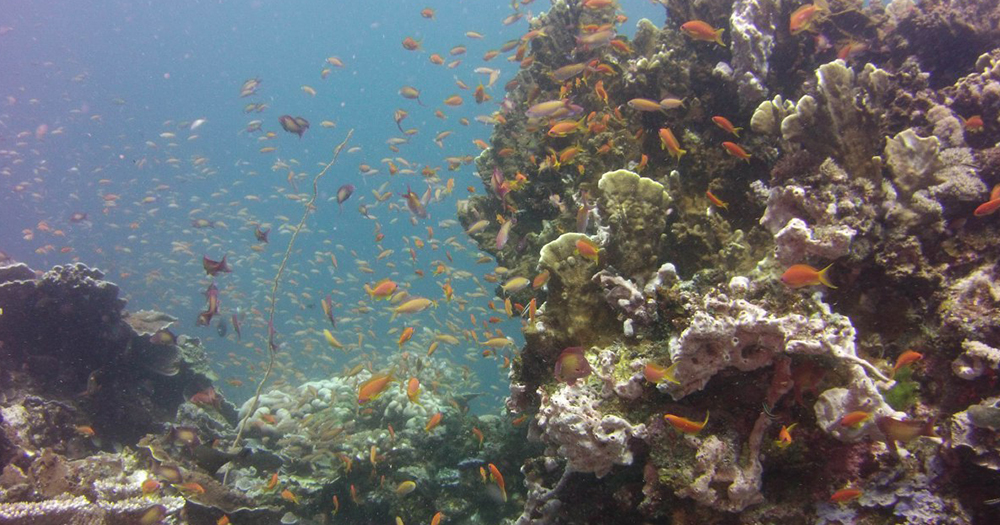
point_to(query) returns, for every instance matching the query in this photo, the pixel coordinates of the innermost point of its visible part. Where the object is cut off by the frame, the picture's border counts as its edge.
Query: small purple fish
(212, 295)
(504, 234)
(260, 234)
(500, 186)
(296, 125)
(214, 267)
(583, 213)
(236, 326)
(414, 204)
(344, 193)
(327, 304)
(271, 335)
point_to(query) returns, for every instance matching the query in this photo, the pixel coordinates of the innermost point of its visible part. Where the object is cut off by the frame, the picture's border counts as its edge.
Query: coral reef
(861, 157)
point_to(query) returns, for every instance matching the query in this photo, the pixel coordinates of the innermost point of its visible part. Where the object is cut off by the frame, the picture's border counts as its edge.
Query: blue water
(88, 89)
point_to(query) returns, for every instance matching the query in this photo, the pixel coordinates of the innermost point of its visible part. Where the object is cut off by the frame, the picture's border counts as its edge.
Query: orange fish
(855, 419)
(413, 390)
(727, 126)
(224, 520)
(804, 18)
(588, 249)
(685, 425)
(716, 201)
(702, 31)
(191, 488)
(656, 374)
(427, 13)
(383, 290)
(785, 436)
(905, 359)
(564, 128)
(498, 479)
(800, 275)
(374, 387)
(453, 101)
(288, 496)
(845, 495)
(150, 486)
(434, 421)
(410, 44)
(973, 124)
(669, 142)
(436, 520)
(540, 280)
(737, 151)
(479, 435)
(336, 504)
(405, 336)
(273, 482)
(987, 208)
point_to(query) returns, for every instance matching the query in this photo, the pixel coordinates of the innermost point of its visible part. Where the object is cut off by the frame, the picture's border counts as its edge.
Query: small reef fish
(905, 359)
(799, 275)
(845, 495)
(645, 104)
(405, 488)
(296, 125)
(657, 374)
(987, 208)
(588, 249)
(150, 486)
(374, 387)
(717, 202)
(540, 280)
(571, 365)
(405, 336)
(855, 419)
(331, 340)
(973, 124)
(515, 284)
(215, 267)
(726, 126)
(784, 436)
(684, 424)
(498, 479)
(413, 390)
(702, 31)
(669, 142)
(807, 16)
(261, 234)
(382, 291)
(737, 151)
(434, 421)
(903, 431)
(412, 306)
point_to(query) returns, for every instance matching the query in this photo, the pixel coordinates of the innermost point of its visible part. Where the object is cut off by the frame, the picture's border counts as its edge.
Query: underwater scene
(473, 262)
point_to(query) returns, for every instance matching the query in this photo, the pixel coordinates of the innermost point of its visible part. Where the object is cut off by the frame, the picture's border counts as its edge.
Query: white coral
(572, 423)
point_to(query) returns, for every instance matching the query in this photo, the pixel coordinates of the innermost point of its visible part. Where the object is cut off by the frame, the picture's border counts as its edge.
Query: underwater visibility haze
(523, 262)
